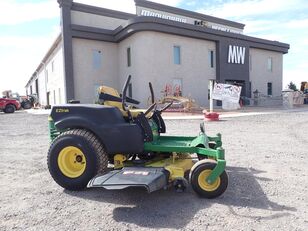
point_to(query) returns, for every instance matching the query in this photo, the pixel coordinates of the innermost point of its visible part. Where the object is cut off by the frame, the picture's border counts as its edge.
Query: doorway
(240, 83)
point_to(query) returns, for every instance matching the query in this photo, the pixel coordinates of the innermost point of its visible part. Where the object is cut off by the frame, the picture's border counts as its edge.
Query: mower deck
(148, 177)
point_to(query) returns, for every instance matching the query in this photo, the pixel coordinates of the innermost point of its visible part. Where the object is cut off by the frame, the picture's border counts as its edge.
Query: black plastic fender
(106, 122)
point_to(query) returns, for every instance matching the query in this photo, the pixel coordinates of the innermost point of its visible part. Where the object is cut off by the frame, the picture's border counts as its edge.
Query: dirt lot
(267, 158)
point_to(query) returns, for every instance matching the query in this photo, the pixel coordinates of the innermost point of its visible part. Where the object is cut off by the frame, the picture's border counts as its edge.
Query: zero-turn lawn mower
(88, 139)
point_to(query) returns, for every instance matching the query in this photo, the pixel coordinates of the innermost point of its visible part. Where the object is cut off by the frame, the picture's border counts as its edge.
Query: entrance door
(48, 100)
(37, 88)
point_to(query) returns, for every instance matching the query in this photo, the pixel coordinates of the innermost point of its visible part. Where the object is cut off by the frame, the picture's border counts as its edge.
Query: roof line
(144, 23)
(101, 11)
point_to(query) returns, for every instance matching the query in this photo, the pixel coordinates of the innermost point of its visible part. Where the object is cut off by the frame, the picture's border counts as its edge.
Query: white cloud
(298, 24)
(255, 26)
(237, 9)
(125, 5)
(120, 5)
(12, 12)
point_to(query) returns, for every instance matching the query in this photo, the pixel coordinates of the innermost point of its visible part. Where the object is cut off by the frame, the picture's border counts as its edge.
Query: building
(162, 44)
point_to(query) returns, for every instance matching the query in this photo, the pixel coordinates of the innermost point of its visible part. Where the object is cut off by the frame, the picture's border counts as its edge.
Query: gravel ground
(267, 158)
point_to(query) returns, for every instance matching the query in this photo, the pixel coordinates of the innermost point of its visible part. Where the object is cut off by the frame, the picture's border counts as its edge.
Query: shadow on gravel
(244, 190)
(160, 209)
(169, 209)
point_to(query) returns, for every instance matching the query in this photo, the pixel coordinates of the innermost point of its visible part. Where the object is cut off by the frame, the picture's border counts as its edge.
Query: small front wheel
(199, 184)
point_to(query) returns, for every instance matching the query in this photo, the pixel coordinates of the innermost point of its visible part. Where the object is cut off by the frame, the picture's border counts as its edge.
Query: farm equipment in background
(180, 103)
(9, 105)
(86, 138)
(29, 101)
(304, 89)
(26, 102)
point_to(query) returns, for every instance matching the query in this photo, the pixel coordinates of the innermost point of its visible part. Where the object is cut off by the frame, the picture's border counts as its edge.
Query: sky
(29, 27)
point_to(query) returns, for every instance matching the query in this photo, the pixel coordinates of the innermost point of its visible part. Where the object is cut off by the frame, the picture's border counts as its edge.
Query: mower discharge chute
(88, 138)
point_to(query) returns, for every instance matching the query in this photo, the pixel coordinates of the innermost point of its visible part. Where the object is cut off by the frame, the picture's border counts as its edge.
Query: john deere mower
(115, 146)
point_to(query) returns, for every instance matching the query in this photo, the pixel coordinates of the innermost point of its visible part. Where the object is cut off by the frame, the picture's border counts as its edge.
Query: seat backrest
(113, 92)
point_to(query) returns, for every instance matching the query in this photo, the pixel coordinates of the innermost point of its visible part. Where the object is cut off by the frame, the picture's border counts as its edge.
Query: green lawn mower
(116, 146)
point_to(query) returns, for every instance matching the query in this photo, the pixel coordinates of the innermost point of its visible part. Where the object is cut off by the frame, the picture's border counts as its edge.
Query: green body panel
(220, 167)
(53, 132)
(154, 129)
(185, 144)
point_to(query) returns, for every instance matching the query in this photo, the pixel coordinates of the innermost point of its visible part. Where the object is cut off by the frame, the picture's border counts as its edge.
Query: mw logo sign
(236, 54)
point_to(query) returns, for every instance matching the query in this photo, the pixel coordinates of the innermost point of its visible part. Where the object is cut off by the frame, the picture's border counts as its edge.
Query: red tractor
(9, 105)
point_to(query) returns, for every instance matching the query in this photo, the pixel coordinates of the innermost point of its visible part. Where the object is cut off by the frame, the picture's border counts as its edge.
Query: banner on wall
(226, 92)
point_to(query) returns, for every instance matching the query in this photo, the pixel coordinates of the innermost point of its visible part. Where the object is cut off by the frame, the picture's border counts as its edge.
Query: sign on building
(236, 54)
(227, 92)
(162, 15)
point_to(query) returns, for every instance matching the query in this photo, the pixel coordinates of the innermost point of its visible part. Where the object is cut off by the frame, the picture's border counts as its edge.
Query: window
(211, 58)
(129, 62)
(37, 87)
(269, 89)
(54, 97)
(97, 59)
(53, 66)
(177, 55)
(59, 92)
(270, 64)
(250, 62)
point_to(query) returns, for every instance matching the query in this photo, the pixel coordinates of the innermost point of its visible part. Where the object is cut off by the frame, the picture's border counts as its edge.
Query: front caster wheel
(199, 184)
(75, 157)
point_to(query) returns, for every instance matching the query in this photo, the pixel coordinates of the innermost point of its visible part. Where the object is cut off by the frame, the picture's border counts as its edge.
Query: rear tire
(75, 157)
(9, 108)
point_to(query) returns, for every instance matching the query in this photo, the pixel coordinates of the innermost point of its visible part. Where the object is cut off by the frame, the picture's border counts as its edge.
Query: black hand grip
(152, 93)
(166, 107)
(124, 92)
(150, 109)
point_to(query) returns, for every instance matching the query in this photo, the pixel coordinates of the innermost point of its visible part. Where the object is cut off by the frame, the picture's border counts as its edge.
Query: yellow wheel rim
(72, 162)
(206, 186)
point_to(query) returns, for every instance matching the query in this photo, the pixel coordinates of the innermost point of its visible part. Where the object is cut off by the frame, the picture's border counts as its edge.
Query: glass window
(129, 62)
(59, 92)
(177, 55)
(52, 66)
(270, 64)
(54, 97)
(97, 59)
(211, 58)
(269, 89)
